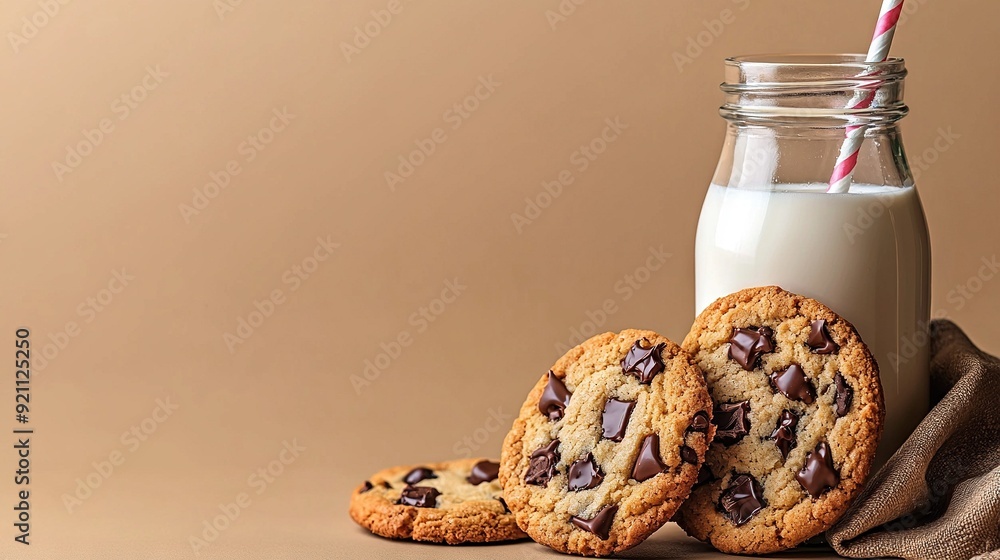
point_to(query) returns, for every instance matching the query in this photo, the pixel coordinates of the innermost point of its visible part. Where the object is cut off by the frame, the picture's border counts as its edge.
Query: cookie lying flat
(608, 444)
(453, 502)
(798, 413)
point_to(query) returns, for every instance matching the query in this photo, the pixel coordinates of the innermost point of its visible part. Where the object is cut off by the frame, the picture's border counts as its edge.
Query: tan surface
(521, 295)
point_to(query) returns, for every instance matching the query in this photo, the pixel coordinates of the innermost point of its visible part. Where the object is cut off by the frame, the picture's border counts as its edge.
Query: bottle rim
(813, 87)
(836, 60)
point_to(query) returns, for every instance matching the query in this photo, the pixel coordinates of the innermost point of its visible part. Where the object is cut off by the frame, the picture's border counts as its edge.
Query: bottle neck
(770, 157)
(788, 116)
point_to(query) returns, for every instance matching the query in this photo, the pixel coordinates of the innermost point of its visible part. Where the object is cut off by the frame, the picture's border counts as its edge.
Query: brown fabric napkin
(938, 497)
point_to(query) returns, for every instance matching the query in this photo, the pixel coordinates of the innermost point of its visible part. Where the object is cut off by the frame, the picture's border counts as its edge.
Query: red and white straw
(843, 172)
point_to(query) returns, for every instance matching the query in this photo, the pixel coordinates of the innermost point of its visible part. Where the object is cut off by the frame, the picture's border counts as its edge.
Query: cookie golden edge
(476, 521)
(829, 508)
(677, 486)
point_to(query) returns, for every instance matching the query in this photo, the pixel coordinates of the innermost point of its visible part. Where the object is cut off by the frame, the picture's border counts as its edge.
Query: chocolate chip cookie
(798, 415)
(608, 444)
(453, 502)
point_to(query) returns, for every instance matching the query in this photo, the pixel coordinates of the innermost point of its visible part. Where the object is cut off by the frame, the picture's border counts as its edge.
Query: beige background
(322, 176)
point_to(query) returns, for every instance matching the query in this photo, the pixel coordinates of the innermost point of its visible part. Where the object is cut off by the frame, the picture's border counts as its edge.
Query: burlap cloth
(938, 497)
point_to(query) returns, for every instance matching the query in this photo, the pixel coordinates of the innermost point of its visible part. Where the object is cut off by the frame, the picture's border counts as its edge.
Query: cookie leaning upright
(798, 414)
(608, 444)
(453, 502)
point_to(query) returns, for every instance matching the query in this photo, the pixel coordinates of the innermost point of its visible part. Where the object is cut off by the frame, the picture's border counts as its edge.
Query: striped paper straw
(843, 172)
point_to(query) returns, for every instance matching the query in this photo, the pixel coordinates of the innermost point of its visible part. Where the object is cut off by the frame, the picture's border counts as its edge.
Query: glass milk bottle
(768, 220)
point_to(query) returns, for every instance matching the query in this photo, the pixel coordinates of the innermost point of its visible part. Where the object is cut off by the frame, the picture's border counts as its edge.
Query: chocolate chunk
(644, 363)
(386, 485)
(648, 464)
(484, 471)
(419, 496)
(732, 422)
(504, 504)
(704, 475)
(747, 345)
(600, 525)
(542, 467)
(699, 423)
(366, 487)
(784, 434)
(742, 500)
(818, 474)
(689, 455)
(819, 338)
(585, 474)
(554, 399)
(793, 384)
(418, 474)
(844, 395)
(615, 418)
